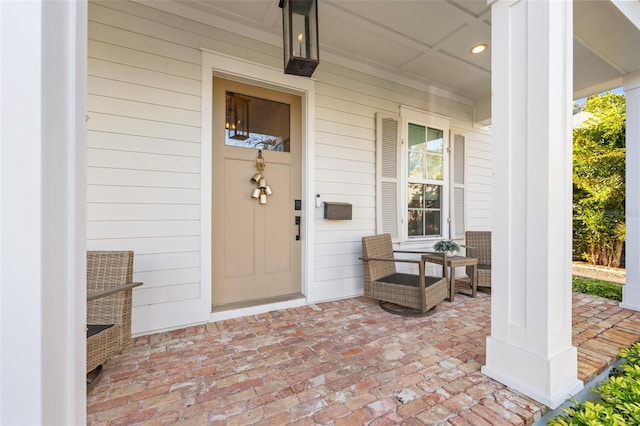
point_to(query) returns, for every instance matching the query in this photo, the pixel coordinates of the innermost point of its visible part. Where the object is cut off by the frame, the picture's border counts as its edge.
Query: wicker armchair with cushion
(109, 294)
(416, 293)
(478, 245)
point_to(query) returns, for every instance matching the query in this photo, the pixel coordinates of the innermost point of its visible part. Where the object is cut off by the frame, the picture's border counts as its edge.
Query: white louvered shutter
(388, 215)
(458, 187)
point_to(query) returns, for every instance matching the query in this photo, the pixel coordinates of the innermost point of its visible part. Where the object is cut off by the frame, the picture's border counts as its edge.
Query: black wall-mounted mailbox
(337, 211)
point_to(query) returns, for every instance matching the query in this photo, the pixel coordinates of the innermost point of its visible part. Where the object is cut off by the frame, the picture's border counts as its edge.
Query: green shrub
(620, 393)
(604, 289)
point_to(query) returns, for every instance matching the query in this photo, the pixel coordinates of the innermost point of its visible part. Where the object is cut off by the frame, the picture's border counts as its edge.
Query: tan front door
(256, 247)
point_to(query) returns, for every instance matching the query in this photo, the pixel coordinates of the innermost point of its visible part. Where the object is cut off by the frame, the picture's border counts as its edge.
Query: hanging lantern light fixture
(300, 36)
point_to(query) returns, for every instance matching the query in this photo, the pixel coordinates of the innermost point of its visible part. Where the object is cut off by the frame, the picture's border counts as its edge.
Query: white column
(532, 63)
(42, 220)
(631, 289)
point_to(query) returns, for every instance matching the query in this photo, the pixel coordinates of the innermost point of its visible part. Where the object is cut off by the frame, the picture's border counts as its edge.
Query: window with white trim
(425, 180)
(417, 199)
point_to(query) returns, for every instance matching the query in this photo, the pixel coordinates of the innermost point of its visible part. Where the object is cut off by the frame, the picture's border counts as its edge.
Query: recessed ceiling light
(479, 48)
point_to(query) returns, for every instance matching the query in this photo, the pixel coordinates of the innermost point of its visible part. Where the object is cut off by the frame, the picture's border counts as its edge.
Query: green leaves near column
(599, 181)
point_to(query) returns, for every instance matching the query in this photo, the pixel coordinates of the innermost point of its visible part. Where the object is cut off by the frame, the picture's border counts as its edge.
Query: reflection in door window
(256, 123)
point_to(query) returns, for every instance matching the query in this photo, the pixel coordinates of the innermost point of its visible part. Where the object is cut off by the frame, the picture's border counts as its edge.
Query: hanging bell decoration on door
(263, 189)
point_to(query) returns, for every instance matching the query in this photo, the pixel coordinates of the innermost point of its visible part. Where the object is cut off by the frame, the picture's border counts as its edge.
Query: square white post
(631, 289)
(532, 63)
(42, 222)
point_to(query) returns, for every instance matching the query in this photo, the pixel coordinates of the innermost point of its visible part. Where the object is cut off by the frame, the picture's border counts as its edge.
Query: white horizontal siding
(97, 229)
(166, 294)
(149, 95)
(99, 175)
(145, 111)
(156, 245)
(163, 261)
(120, 124)
(136, 143)
(137, 211)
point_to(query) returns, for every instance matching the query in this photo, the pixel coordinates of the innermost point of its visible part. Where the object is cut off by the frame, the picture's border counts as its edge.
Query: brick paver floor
(339, 363)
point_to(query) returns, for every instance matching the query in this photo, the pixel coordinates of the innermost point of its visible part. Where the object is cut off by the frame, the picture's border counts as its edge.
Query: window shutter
(458, 187)
(387, 168)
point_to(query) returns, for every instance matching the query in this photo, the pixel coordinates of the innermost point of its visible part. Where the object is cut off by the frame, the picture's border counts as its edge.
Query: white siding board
(170, 277)
(347, 153)
(341, 288)
(137, 9)
(136, 126)
(339, 272)
(328, 163)
(144, 94)
(347, 188)
(354, 224)
(143, 60)
(344, 140)
(162, 261)
(348, 118)
(123, 177)
(366, 99)
(136, 143)
(340, 236)
(342, 103)
(113, 211)
(344, 129)
(116, 36)
(134, 109)
(147, 245)
(168, 294)
(141, 229)
(145, 195)
(141, 161)
(324, 175)
(143, 77)
(330, 249)
(347, 259)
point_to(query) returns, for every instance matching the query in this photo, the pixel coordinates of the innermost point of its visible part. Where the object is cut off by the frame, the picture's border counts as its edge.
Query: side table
(454, 262)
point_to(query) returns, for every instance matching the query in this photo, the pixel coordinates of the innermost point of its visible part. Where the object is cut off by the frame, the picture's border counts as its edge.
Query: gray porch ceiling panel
(429, 41)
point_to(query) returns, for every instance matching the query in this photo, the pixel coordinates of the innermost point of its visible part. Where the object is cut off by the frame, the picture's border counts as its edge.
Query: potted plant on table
(446, 246)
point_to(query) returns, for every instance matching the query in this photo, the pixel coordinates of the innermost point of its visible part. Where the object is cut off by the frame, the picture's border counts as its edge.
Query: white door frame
(221, 65)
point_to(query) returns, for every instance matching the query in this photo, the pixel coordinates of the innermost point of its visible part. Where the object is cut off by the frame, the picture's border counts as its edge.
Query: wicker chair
(109, 288)
(478, 245)
(418, 293)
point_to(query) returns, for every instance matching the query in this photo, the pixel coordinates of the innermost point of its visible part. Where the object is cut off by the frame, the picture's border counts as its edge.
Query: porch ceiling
(430, 41)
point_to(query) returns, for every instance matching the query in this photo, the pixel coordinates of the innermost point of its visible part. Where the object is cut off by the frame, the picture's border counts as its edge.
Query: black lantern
(300, 36)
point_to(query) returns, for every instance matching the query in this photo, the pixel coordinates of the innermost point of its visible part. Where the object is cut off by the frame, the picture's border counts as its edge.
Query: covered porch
(106, 127)
(346, 362)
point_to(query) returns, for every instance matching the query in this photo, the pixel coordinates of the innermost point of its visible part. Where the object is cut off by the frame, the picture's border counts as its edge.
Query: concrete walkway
(340, 363)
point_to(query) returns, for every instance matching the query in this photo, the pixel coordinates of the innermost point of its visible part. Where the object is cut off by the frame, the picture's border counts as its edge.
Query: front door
(256, 230)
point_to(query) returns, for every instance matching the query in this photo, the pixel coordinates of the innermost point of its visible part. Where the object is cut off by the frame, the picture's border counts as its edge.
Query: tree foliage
(599, 181)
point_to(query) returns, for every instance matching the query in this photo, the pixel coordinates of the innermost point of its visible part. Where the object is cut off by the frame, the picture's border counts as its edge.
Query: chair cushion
(96, 328)
(409, 280)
